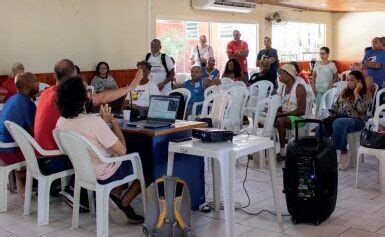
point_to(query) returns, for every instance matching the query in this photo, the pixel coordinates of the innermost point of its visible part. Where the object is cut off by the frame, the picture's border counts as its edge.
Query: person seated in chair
(263, 74)
(102, 80)
(139, 97)
(210, 72)
(348, 115)
(71, 100)
(233, 70)
(196, 86)
(19, 109)
(293, 106)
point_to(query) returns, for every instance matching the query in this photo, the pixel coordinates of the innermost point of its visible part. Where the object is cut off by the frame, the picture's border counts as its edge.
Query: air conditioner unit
(238, 6)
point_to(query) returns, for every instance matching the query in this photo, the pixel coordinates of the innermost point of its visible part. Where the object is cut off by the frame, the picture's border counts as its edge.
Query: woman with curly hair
(233, 70)
(71, 101)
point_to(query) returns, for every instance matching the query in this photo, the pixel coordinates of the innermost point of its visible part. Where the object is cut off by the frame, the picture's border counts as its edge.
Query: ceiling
(330, 5)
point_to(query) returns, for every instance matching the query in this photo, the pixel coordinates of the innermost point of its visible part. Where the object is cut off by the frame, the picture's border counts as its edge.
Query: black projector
(212, 134)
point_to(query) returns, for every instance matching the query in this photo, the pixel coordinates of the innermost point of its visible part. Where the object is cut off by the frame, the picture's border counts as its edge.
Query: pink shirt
(233, 47)
(97, 131)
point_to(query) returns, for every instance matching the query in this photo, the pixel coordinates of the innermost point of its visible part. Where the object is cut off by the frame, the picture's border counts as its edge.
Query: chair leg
(101, 212)
(28, 193)
(63, 182)
(357, 166)
(262, 159)
(3, 189)
(43, 201)
(75, 210)
(91, 201)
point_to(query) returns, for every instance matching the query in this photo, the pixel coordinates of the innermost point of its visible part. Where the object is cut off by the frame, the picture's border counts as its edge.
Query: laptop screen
(163, 108)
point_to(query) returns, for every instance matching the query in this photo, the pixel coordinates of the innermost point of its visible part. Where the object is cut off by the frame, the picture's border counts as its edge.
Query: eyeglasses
(321, 53)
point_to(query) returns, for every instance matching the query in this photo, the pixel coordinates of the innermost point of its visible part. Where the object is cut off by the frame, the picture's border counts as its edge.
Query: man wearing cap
(293, 105)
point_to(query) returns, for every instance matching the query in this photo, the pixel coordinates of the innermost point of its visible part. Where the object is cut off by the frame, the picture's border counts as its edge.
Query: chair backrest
(341, 84)
(187, 95)
(181, 78)
(254, 72)
(272, 103)
(27, 145)
(260, 91)
(78, 149)
(210, 90)
(42, 86)
(8, 145)
(378, 97)
(344, 74)
(216, 106)
(238, 83)
(239, 98)
(327, 101)
(376, 118)
(374, 102)
(226, 82)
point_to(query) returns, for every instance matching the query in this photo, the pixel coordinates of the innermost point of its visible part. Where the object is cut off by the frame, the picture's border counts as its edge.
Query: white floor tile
(218, 228)
(30, 228)
(324, 230)
(360, 221)
(359, 233)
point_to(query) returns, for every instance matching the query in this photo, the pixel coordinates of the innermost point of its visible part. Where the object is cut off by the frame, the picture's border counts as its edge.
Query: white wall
(353, 32)
(40, 32)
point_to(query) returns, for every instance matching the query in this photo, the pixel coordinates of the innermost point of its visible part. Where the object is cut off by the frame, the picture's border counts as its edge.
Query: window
(179, 37)
(192, 30)
(301, 42)
(225, 30)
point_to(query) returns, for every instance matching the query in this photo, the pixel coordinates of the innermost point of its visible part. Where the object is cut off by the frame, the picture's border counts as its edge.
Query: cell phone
(183, 139)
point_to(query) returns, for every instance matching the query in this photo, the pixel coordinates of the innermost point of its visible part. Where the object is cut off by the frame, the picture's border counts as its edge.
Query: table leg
(276, 193)
(170, 163)
(215, 169)
(227, 165)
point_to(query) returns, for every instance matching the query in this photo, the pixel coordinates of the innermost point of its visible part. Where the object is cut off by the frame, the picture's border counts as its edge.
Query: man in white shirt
(201, 53)
(162, 67)
(140, 96)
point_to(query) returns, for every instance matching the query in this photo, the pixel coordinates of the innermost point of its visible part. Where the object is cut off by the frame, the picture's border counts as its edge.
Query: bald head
(63, 69)
(236, 35)
(27, 83)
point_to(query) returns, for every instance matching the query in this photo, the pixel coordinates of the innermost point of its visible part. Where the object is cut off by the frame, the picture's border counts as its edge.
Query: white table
(226, 153)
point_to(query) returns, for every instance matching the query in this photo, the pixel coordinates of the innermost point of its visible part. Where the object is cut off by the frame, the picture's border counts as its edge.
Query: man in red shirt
(239, 50)
(47, 116)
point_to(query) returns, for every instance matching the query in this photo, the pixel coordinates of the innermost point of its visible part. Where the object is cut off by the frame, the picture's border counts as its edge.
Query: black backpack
(163, 59)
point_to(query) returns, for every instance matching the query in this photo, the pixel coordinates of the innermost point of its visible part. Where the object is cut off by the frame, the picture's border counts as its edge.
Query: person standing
(201, 53)
(239, 50)
(374, 62)
(271, 56)
(324, 75)
(162, 67)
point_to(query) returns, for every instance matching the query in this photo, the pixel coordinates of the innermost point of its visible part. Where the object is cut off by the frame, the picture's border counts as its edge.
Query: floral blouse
(355, 109)
(101, 84)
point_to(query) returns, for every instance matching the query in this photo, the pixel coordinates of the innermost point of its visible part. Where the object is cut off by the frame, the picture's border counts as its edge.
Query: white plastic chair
(80, 149)
(258, 92)
(267, 118)
(4, 172)
(238, 83)
(211, 89)
(341, 84)
(234, 119)
(187, 95)
(226, 82)
(379, 153)
(43, 86)
(28, 145)
(345, 73)
(91, 88)
(181, 78)
(327, 101)
(216, 106)
(254, 71)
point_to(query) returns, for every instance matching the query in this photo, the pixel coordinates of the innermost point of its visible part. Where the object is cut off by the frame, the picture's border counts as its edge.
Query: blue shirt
(19, 109)
(377, 74)
(212, 75)
(197, 90)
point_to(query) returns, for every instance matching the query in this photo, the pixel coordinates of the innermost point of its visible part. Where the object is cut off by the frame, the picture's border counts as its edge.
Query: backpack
(163, 59)
(168, 208)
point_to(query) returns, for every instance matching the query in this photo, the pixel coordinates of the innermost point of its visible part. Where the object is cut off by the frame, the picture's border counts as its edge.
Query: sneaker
(123, 214)
(67, 196)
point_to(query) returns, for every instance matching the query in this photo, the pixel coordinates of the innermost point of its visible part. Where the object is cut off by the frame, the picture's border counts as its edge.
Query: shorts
(10, 158)
(293, 119)
(124, 170)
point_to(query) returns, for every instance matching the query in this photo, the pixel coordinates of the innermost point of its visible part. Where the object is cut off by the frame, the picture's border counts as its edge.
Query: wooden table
(152, 146)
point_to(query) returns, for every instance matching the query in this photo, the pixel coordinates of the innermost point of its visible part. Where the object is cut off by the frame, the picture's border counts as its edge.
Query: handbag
(372, 139)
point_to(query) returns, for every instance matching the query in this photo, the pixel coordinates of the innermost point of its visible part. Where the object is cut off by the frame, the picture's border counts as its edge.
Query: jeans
(341, 128)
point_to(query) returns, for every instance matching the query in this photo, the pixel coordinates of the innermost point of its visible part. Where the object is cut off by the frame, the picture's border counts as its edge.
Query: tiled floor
(359, 212)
